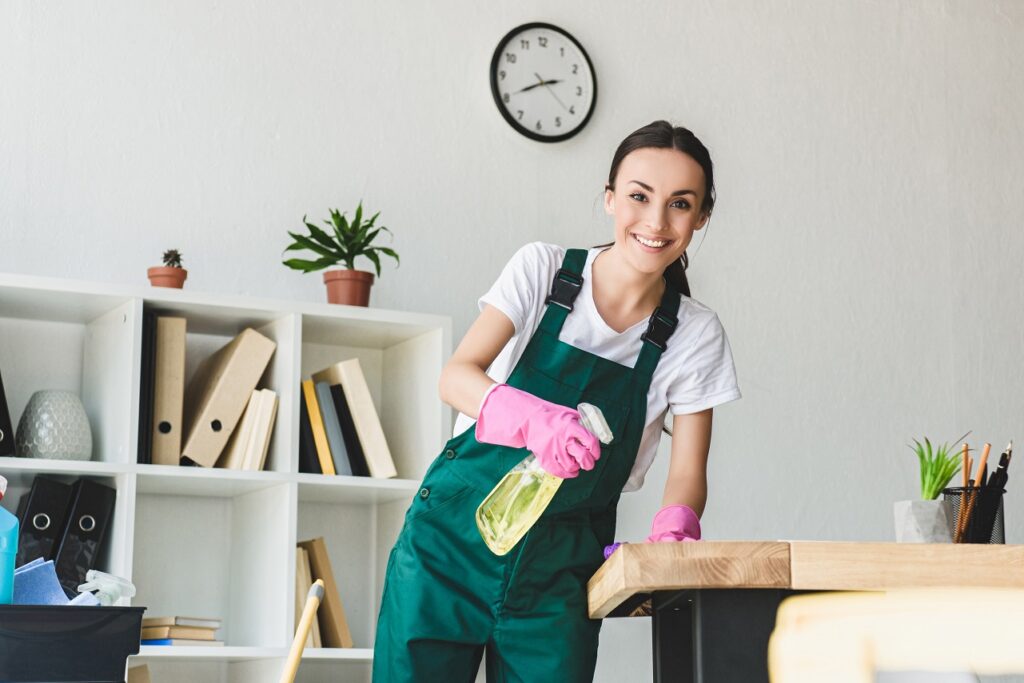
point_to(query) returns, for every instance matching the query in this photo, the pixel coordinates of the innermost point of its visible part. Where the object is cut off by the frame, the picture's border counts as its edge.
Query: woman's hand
(552, 432)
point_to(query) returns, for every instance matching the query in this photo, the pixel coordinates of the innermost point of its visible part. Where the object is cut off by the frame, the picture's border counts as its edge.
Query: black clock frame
(519, 128)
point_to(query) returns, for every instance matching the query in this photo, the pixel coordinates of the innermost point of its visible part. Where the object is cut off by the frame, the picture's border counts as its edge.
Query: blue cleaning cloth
(36, 583)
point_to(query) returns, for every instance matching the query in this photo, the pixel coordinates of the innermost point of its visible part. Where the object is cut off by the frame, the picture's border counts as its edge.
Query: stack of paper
(180, 631)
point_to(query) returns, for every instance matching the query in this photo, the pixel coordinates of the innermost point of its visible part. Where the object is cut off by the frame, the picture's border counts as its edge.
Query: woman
(613, 326)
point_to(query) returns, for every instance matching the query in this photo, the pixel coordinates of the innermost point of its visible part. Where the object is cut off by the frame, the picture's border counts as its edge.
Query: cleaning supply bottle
(522, 495)
(8, 549)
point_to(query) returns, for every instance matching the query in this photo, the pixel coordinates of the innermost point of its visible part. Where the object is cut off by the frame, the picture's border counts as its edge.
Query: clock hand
(537, 85)
(545, 84)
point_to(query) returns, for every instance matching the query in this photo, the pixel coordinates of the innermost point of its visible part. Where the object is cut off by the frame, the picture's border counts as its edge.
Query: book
(218, 393)
(202, 622)
(303, 582)
(357, 461)
(233, 455)
(6, 431)
(316, 423)
(262, 430)
(336, 442)
(145, 437)
(334, 631)
(187, 632)
(309, 462)
(168, 390)
(349, 374)
(180, 642)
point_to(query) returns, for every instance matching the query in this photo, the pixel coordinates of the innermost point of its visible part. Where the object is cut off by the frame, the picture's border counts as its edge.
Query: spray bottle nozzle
(109, 588)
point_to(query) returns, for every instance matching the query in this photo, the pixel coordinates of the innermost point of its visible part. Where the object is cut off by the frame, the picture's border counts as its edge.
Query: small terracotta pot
(350, 287)
(167, 276)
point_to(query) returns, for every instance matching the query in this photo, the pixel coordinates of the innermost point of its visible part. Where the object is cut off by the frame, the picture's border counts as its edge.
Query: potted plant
(929, 520)
(341, 244)
(171, 274)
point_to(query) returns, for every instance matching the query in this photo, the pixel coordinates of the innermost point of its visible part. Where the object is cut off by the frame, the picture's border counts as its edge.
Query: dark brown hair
(663, 135)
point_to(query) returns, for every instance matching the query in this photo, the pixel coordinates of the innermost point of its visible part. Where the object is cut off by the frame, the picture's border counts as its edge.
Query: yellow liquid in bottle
(515, 504)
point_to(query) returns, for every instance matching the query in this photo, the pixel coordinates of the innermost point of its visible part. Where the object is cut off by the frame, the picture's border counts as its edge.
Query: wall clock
(543, 82)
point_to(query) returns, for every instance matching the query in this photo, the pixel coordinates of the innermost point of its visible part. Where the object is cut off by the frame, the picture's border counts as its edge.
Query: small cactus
(172, 258)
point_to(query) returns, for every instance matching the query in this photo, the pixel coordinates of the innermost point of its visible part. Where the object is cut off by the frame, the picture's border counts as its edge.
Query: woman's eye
(637, 196)
(681, 204)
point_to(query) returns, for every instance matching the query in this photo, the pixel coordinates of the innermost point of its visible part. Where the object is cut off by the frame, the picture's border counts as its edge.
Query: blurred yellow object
(848, 637)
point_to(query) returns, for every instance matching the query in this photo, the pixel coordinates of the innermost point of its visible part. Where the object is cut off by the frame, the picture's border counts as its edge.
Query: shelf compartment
(222, 557)
(90, 356)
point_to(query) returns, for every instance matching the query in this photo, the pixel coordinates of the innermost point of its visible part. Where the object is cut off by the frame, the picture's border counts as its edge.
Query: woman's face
(657, 198)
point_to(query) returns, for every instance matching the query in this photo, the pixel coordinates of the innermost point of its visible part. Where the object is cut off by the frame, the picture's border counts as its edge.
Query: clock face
(543, 82)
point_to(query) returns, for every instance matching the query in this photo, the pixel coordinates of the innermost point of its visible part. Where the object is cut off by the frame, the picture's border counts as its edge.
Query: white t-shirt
(694, 373)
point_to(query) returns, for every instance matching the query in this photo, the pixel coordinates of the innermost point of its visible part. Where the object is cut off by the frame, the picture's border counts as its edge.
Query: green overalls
(447, 597)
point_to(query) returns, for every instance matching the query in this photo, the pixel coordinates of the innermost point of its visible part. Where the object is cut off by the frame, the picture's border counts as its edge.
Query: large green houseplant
(341, 244)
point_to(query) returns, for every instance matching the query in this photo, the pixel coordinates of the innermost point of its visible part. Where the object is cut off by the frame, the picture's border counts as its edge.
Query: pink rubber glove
(553, 433)
(672, 523)
(675, 523)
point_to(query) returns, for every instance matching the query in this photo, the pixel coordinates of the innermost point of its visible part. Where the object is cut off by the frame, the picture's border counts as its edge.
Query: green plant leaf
(375, 259)
(307, 266)
(304, 242)
(358, 219)
(319, 235)
(389, 252)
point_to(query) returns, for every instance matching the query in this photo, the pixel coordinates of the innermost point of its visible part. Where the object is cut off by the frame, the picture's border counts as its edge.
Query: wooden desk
(713, 603)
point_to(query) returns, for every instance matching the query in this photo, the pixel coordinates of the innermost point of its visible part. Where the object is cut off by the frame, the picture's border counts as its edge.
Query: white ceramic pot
(923, 521)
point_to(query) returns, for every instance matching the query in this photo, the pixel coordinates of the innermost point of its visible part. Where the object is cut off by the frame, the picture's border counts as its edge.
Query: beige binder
(218, 393)
(349, 374)
(334, 631)
(262, 429)
(168, 390)
(303, 581)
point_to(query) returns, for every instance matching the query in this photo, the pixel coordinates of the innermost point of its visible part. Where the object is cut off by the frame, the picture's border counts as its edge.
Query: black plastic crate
(67, 644)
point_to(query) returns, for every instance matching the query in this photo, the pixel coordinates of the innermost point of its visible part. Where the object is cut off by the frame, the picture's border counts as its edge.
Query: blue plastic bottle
(8, 549)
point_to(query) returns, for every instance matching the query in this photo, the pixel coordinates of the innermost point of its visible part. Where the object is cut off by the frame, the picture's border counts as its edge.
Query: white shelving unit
(214, 542)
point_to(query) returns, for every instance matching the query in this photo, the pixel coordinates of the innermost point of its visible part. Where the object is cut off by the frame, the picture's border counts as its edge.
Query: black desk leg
(713, 636)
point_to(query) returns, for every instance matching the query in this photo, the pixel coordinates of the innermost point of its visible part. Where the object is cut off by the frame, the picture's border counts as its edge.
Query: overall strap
(659, 328)
(564, 289)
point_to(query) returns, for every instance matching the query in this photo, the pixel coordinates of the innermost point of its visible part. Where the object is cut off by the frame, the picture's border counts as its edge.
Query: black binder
(145, 444)
(6, 432)
(356, 457)
(41, 514)
(89, 515)
(308, 459)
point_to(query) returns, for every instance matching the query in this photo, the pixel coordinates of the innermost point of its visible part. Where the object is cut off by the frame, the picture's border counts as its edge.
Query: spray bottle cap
(109, 588)
(592, 418)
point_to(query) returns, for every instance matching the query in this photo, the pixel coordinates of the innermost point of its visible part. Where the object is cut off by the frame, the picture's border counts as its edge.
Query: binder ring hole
(87, 523)
(41, 521)
(165, 427)
(1, 435)
(215, 425)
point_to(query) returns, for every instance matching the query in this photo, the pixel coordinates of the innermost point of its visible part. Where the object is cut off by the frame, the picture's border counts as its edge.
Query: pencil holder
(977, 514)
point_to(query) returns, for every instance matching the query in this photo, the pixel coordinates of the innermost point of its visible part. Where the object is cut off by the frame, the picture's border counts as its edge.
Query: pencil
(981, 463)
(965, 470)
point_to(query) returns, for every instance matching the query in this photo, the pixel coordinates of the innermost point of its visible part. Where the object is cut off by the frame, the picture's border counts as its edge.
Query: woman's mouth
(651, 246)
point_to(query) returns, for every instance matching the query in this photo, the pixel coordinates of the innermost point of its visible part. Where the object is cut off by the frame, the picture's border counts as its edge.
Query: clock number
(579, 91)
(502, 74)
(538, 124)
(572, 109)
(575, 68)
(542, 41)
(558, 122)
(561, 52)
(520, 112)
(505, 98)
(510, 58)
(524, 44)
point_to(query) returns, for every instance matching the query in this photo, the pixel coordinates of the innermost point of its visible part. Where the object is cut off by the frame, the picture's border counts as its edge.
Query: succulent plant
(172, 258)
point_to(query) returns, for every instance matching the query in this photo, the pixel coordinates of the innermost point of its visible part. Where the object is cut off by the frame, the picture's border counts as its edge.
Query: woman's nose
(657, 217)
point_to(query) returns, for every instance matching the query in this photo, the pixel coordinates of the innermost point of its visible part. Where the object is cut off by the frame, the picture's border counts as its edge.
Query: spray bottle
(522, 495)
(8, 549)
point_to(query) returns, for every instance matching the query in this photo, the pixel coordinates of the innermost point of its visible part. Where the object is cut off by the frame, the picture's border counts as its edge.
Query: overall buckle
(564, 289)
(660, 327)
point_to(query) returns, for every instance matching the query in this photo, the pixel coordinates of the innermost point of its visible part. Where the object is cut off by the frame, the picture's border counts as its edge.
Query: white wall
(865, 254)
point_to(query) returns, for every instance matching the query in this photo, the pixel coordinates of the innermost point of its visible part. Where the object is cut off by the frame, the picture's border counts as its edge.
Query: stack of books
(180, 631)
(339, 429)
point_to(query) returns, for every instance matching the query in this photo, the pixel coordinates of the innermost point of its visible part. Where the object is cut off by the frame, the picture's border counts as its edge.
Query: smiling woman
(611, 326)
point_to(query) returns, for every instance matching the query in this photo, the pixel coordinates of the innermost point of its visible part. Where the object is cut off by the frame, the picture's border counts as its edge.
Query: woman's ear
(704, 217)
(609, 201)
